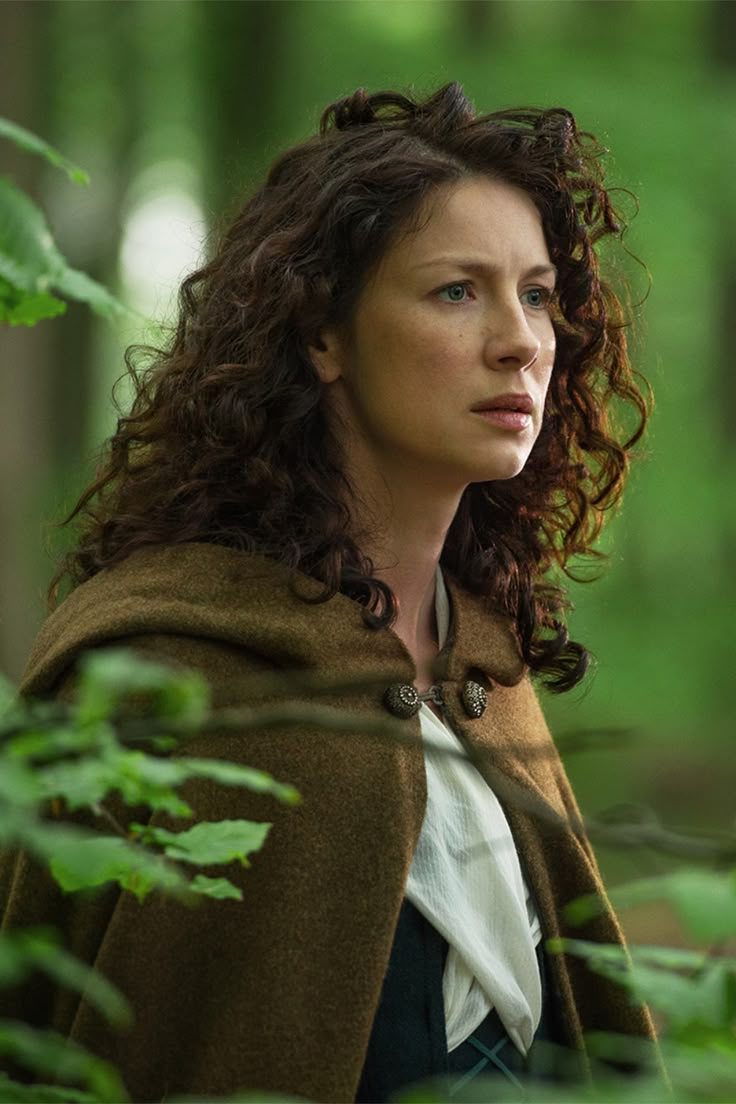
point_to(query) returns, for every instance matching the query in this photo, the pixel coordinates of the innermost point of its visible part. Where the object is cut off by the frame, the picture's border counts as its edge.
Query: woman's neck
(404, 539)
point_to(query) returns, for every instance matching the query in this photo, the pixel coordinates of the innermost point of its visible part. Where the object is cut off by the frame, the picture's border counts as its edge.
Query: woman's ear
(326, 354)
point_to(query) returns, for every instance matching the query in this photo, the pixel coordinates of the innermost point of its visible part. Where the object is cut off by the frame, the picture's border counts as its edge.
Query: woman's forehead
(484, 222)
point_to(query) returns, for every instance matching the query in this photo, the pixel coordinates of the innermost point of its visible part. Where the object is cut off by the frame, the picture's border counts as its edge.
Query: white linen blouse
(465, 878)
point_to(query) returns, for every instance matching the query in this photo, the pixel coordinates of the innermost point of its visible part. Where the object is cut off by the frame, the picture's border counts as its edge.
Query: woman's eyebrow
(483, 267)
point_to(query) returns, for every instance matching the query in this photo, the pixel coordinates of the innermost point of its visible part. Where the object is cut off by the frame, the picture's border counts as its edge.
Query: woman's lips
(505, 419)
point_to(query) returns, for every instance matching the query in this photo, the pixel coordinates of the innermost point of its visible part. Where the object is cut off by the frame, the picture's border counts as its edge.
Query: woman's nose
(511, 342)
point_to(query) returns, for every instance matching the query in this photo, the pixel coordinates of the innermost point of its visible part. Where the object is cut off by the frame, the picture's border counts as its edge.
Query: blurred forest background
(175, 107)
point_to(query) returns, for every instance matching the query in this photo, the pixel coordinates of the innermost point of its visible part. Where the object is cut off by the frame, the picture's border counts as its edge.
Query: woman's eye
(538, 297)
(455, 293)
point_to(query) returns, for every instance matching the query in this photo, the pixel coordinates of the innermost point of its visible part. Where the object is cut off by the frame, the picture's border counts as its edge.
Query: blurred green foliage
(57, 759)
(31, 267)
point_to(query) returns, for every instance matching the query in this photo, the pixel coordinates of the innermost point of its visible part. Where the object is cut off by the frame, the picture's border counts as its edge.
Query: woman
(385, 416)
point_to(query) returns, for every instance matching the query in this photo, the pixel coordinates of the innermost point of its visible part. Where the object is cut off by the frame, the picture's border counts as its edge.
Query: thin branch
(603, 829)
(105, 814)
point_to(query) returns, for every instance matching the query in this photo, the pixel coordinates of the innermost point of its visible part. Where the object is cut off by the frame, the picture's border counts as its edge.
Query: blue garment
(408, 1041)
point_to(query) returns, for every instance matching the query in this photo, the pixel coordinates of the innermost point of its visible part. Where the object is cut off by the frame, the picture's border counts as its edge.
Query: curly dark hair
(228, 440)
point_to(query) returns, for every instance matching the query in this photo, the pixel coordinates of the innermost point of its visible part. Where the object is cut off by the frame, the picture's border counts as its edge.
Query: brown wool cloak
(279, 992)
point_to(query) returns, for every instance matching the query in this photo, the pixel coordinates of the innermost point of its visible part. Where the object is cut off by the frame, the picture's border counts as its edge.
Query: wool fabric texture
(278, 993)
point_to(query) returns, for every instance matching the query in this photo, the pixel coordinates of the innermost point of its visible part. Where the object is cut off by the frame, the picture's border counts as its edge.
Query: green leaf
(51, 1055)
(83, 864)
(70, 973)
(19, 786)
(77, 285)
(31, 143)
(145, 780)
(211, 843)
(162, 743)
(485, 1089)
(107, 677)
(29, 259)
(32, 309)
(653, 975)
(12, 1092)
(13, 968)
(139, 778)
(8, 695)
(22, 952)
(614, 1047)
(703, 900)
(699, 1072)
(42, 839)
(584, 908)
(231, 774)
(433, 1093)
(80, 782)
(19, 308)
(51, 743)
(31, 262)
(218, 888)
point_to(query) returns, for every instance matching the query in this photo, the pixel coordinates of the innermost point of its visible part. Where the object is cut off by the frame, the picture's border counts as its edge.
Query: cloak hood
(221, 595)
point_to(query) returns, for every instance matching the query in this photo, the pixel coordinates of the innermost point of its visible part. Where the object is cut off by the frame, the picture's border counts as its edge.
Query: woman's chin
(499, 472)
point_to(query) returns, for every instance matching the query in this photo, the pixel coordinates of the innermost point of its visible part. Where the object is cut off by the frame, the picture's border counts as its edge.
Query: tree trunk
(242, 76)
(53, 56)
(25, 369)
(723, 32)
(478, 19)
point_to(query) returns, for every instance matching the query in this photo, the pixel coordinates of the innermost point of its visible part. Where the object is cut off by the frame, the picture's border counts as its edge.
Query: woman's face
(453, 326)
